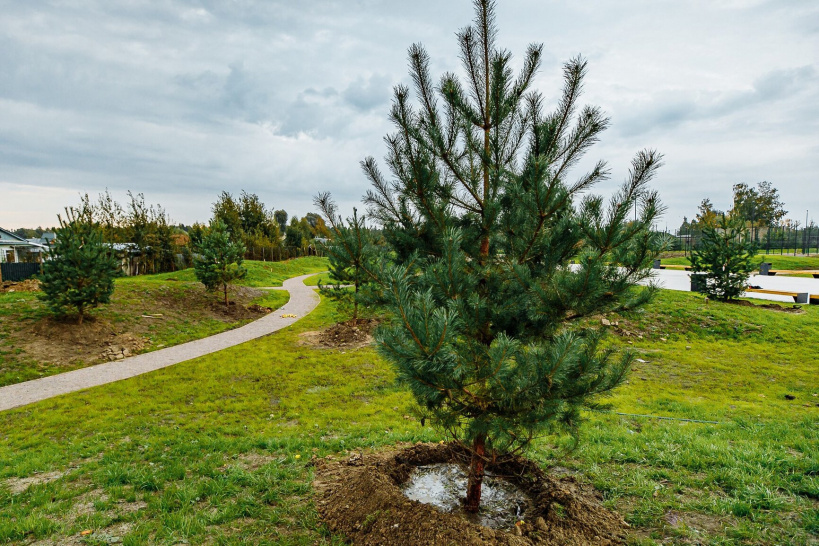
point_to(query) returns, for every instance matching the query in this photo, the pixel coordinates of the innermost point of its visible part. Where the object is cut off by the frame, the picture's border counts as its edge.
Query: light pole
(804, 241)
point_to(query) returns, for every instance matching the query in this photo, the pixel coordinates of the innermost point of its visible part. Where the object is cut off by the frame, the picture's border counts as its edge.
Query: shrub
(726, 256)
(219, 259)
(81, 270)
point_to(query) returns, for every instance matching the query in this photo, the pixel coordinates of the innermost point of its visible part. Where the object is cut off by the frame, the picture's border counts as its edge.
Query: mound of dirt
(122, 346)
(62, 340)
(28, 285)
(256, 308)
(237, 310)
(350, 334)
(772, 306)
(361, 497)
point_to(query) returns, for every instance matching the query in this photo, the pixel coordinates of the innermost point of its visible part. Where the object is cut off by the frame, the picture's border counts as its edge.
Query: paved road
(679, 280)
(303, 299)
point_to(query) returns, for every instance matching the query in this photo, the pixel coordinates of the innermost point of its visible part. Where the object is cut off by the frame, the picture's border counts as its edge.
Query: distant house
(15, 249)
(315, 248)
(128, 255)
(42, 245)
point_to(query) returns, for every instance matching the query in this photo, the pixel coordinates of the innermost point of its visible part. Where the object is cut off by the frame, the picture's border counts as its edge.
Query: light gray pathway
(681, 280)
(303, 299)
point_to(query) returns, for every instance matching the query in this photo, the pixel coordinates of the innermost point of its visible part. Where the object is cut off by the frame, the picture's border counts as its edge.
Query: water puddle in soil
(443, 486)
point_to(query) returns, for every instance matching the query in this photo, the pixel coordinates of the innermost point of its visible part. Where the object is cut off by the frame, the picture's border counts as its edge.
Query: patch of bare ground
(701, 523)
(63, 341)
(84, 504)
(19, 485)
(250, 461)
(60, 541)
(361, 498)
(782, 308)
(696, 523)
(28, 285)
(124, 507)
(352, 334)
(109, 535)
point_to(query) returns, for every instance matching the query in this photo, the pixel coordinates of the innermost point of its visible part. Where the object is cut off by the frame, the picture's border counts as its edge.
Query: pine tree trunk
(486, 128)
(355, 302)
(224, 286)
(473, 489)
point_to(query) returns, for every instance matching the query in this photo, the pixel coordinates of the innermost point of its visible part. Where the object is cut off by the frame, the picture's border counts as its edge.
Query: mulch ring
(236, 310)
(361, 498)
(350, 334)
(28, 285)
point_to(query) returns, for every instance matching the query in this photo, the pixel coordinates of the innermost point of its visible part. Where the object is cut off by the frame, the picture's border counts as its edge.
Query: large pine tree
(81, 269)
(499, 254)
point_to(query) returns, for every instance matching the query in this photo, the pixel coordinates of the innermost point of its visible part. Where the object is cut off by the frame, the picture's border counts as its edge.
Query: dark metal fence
(281, 253)
(784, 240)
(18, 271)
(774, 240)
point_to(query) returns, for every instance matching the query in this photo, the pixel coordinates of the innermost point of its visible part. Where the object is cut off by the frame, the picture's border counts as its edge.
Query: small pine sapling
(727, 256)
(81, 268)
(218, 262)
(351, 254)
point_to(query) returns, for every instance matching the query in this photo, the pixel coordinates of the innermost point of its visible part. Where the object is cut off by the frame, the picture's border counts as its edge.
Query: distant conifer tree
(219, 259)
(350, 252)
(281, 218)
(726, 255)
(484, 225)
(81, 270)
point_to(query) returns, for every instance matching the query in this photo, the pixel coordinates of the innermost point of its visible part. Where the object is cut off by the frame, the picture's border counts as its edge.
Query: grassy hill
(146, 313)
(217, 450)
(777, 261)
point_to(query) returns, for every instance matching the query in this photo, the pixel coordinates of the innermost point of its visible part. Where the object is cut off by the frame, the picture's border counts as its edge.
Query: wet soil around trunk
(361, 497)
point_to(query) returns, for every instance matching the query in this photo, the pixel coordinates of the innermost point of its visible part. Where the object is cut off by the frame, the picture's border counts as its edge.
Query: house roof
(37, 243)
(125, 247)
(8, 238)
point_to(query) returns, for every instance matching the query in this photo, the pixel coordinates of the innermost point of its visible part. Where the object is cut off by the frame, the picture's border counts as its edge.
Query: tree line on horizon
(760, 207)
(761, 210)
(155, 244)
(100, 240)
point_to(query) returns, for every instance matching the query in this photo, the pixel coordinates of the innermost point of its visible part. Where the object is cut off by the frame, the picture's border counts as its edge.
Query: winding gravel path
(303, 299)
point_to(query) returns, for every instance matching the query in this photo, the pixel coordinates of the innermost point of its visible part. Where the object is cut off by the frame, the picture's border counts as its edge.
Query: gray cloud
(367, 94)
(182, 99)
(667, 110)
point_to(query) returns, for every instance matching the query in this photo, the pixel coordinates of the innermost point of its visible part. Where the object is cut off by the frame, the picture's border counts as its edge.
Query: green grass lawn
(184, 312)
(217, 450)
(324, 278)
(777, 261)
(261, 274)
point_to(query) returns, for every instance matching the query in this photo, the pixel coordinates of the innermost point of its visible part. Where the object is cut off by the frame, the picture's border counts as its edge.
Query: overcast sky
(180, 100)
